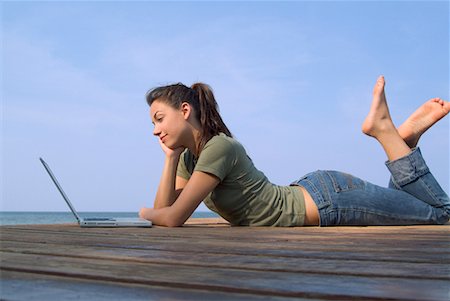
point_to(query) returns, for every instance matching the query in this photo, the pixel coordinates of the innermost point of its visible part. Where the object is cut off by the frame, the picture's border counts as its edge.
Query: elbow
(173, 217)
(174, 220)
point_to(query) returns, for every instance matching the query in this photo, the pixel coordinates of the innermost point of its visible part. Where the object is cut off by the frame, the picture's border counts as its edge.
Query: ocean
(27, 218)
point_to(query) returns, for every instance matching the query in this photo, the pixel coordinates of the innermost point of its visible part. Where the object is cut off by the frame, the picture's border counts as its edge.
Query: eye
(158, 118)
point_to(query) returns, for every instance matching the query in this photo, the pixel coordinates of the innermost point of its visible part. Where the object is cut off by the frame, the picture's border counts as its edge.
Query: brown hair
(200, 96)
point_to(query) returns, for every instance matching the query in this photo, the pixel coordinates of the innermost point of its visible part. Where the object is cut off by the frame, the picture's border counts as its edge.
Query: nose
(156, 130)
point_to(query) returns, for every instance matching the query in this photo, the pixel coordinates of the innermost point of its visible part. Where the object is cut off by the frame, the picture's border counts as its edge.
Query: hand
(172, 153)
(160, 217)
(144, 213)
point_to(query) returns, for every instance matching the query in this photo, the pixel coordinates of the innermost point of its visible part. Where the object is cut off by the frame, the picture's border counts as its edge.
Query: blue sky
(293, 81)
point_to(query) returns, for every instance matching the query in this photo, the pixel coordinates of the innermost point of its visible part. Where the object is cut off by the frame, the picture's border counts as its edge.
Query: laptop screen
(60, 189)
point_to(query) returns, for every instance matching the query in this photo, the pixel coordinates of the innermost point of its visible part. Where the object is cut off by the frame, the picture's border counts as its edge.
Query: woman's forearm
(166, 194)
(161, 217)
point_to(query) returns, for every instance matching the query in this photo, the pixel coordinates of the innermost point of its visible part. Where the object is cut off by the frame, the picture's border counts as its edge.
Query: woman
(204, 162)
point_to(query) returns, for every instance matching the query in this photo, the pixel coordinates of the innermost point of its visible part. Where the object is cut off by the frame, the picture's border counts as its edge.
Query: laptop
(97, 221)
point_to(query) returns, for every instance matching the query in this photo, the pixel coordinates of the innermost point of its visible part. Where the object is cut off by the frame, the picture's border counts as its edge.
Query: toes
(380, 81)
(379, 86)
(437, 99)
(446, 106)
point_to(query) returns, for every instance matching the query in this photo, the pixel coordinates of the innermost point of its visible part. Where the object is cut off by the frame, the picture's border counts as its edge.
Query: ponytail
(210, 119)
(200, 96)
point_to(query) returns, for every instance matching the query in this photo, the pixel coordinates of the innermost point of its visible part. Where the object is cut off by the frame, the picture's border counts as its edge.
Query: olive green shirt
(244, 195)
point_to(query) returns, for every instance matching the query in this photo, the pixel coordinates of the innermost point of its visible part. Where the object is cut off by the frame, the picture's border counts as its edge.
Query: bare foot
(378, 124)
(422, 119)
(378, 121)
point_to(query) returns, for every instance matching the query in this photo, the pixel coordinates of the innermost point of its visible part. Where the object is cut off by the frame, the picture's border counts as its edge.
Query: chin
(170, 145)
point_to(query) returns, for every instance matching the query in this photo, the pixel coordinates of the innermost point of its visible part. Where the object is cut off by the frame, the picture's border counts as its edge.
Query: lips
(163, 138)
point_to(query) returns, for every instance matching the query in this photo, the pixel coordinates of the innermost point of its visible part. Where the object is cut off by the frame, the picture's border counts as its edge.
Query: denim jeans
(413, 196)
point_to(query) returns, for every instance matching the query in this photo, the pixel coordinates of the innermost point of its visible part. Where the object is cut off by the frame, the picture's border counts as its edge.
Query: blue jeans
(413, 197)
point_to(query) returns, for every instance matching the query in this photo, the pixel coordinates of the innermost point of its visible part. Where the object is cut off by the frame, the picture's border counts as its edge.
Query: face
(170, 124)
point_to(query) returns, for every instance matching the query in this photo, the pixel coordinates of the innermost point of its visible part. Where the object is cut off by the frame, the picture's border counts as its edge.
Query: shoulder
(221, 139)
(217, 147)
(219, 156)
(222, 144)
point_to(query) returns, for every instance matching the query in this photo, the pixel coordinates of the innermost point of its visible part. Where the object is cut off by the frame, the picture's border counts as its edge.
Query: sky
(293, 81)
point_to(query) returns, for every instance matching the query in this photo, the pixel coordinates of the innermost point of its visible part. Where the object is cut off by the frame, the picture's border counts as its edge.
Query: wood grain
(208, 257)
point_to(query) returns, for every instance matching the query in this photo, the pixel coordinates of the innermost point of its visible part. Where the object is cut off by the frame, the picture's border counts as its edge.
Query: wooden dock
(209, 260)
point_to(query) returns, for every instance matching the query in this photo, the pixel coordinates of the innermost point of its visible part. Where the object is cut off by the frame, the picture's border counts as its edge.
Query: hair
(200, 96)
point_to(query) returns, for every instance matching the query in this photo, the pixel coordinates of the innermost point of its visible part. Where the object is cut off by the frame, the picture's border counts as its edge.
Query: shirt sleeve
(217, 158)
(182, 170)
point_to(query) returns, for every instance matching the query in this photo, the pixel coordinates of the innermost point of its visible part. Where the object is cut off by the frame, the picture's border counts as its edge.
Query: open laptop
(97, 221)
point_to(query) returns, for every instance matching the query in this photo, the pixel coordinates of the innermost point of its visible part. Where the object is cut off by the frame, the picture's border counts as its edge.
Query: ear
(186, 110)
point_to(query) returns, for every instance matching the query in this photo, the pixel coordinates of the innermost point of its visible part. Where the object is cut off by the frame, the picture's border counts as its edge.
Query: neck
(194, 141)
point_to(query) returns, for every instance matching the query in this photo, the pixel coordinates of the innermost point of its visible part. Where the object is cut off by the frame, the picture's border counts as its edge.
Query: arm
(197, 188)
(170, 185)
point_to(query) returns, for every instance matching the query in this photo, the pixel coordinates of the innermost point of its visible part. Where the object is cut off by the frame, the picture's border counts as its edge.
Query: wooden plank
(420, 234)
(343, 235)
(255, 234)
(332, 248)
(25, 286)
(229, 280)
(398, 263)
(209, 222)
(369, 268)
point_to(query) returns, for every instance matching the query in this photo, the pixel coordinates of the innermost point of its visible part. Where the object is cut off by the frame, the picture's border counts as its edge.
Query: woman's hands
(143, 213)
(162, 217)
(174, 214)
(146, 213)
(171, 153)
(169, 187)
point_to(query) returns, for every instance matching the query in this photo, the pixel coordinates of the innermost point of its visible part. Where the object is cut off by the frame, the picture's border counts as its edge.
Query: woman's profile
(203, 162)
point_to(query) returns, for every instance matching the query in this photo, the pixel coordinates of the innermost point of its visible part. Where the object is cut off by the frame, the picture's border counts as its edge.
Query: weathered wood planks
(209, 258)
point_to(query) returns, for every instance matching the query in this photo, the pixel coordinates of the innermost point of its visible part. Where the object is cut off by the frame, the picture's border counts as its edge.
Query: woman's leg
(419, 122)
(343, 199)
(422, 119)
(346, 200)
(412, 175)
(409, 171)
(378, 124)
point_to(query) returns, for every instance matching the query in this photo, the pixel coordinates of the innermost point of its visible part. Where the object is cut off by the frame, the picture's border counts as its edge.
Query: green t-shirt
(244, 195)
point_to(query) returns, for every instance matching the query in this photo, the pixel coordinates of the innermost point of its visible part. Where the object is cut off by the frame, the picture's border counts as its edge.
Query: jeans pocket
(344, 182)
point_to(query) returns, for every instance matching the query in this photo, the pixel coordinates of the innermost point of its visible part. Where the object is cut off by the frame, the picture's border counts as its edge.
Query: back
(244, 195)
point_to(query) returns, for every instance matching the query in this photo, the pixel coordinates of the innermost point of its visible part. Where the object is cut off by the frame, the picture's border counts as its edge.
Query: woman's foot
(422, 119)
(378, 121)
(378, 124)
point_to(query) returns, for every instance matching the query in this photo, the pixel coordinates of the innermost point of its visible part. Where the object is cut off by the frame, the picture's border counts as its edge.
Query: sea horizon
(8, 218)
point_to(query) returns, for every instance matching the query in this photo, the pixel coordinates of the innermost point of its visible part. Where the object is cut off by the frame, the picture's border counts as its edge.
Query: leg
(343, 199)
(379, 125)
(422, 119)
(412, 175)
(419, 122)
(409, 171)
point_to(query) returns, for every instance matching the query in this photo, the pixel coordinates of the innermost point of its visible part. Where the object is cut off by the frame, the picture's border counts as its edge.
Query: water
(26, 218)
